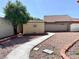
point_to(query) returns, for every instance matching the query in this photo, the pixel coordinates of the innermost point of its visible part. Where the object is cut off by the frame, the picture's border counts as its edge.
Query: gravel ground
(73, 52)
(13, 43)
(54, 43)
(42, 55)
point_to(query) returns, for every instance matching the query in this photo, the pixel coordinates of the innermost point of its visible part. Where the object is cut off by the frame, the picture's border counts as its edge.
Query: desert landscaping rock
(41, 55)
(48, 51)
(36, 49)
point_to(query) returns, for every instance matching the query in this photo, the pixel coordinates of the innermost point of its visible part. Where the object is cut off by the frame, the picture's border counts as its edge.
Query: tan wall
(33, 27)
(57, 27)
(6, 28)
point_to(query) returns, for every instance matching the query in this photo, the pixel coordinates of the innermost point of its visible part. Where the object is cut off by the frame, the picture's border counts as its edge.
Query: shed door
(56, 27)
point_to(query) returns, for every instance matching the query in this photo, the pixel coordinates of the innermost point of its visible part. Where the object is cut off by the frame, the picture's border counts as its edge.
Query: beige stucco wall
(33, 27)
(57, 27)
(6, 28)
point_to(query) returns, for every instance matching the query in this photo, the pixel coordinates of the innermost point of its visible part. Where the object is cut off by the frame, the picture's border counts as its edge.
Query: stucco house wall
(61, 23)
(34, 27)
(57, 26)
(6, 28)
(57, 23)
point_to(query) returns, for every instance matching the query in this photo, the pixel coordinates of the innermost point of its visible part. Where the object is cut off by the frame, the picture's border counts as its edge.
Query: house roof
(75, 20)
(60, 18)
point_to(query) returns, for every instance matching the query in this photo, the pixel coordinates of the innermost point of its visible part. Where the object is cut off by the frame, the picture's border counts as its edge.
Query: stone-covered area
(42, 55)
(55, 43)
(73, 52)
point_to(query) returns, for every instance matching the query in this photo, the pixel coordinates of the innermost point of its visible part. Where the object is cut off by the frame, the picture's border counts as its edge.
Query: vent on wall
(34, 25)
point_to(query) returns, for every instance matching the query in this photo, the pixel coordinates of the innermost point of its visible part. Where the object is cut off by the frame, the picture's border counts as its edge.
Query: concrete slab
(36, 49)
(48, 51)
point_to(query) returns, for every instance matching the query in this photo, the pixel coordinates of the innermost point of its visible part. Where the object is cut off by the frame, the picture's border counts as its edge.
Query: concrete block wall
(6, 28)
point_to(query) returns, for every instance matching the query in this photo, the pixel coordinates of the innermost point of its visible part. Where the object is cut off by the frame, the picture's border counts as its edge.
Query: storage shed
(34, 27)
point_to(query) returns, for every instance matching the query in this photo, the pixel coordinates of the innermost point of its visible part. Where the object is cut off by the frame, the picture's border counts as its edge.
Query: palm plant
(17, 14)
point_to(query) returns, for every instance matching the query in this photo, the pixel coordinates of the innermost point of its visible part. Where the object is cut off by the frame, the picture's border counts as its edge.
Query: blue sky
(40, 8)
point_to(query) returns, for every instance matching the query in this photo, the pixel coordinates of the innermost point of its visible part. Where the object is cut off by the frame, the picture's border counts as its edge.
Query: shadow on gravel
(19, 40)
(15, 41)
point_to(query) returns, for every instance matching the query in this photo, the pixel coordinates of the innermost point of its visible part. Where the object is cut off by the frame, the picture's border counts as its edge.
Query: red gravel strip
(66, 48)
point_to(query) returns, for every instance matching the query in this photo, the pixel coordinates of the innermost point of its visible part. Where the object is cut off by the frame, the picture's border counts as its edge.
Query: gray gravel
(41, 55)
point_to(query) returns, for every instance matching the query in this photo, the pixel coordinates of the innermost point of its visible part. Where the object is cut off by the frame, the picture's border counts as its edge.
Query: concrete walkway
(23, 51)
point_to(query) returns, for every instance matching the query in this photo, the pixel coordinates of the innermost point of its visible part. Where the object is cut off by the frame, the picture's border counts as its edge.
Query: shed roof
(35, 21)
